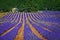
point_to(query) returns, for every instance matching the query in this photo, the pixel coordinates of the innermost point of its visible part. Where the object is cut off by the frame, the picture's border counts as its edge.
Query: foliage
(29, 5)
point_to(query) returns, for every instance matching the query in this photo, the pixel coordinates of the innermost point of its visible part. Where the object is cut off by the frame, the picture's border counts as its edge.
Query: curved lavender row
(12, 34)
(6, 25)
(8, 17)
(42, 27)
(13, 31)
(29, 35)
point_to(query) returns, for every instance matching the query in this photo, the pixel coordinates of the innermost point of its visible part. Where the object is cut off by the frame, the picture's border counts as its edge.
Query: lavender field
(44, 25)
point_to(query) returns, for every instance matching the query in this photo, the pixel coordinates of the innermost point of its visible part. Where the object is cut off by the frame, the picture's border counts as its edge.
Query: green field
(29, 5)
